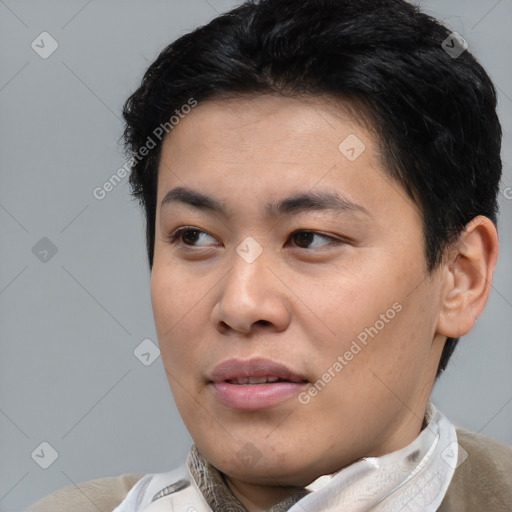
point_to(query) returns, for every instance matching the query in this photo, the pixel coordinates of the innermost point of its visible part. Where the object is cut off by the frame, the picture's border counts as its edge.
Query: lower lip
(252, 397)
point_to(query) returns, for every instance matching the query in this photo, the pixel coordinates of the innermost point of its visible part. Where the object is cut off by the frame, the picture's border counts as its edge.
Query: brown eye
(306, 239)
(191, 236)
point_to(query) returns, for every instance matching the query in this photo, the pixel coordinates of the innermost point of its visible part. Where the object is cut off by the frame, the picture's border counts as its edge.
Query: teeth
(257, 380)
(254, 380)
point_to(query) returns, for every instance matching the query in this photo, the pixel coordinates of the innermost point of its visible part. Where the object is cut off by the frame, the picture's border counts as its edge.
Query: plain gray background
(69, 325)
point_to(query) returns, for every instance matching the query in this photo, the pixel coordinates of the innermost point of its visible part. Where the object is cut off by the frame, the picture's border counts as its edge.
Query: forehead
(247, 122)
(270, 146)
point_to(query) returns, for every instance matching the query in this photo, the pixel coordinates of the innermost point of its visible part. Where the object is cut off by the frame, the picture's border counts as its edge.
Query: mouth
(257, 380)
(254, 384)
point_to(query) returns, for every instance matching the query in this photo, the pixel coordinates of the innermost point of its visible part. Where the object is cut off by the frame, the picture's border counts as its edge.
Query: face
(284, 254)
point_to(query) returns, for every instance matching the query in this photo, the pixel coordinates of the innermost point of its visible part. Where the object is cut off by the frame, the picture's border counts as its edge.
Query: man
(319, 179)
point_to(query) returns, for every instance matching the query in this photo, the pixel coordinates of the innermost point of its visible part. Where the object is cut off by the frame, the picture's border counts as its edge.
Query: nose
(252, 300)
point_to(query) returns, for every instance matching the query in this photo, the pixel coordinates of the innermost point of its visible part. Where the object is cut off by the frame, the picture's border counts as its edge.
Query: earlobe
(467, 276)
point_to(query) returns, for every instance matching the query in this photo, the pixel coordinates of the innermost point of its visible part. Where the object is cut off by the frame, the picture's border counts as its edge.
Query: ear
(467, 277)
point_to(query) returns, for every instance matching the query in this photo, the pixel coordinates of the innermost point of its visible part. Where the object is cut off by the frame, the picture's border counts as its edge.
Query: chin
(267, 470)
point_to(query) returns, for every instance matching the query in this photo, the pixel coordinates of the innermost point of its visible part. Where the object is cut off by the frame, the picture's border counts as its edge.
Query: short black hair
(433, 110)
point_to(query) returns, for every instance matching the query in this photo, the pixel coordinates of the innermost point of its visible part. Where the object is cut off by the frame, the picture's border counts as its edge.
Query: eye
(192, 236)
(310, 239)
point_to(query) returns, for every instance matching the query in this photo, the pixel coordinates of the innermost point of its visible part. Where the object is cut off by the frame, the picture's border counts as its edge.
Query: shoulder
(483, 475)
(98, 495)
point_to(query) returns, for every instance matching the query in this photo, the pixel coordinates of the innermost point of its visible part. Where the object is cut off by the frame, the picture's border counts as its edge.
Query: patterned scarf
(216, 491)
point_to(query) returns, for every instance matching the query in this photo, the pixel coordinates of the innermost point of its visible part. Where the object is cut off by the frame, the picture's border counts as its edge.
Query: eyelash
(173, 237)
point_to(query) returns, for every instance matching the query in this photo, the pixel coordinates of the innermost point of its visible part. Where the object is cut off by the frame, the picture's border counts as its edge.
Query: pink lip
(250, 397)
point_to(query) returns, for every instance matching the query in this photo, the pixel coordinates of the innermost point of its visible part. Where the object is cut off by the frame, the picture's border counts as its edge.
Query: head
(319, 180)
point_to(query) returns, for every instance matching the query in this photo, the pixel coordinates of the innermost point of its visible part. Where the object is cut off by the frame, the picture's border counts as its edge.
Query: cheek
(344, 306)
(371, 319)
(163, 301)
(174, 295)
(175, 303)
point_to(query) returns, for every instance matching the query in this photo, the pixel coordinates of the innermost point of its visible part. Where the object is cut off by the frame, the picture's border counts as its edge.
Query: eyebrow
(298, 203)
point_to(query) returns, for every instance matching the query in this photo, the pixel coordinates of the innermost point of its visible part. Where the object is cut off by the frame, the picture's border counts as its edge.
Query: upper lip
(232, 369)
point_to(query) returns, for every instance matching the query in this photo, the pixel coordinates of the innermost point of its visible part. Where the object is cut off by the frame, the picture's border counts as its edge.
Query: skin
(301, 303)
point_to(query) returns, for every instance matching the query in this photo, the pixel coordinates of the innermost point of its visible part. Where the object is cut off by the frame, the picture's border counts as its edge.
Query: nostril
(263, 322)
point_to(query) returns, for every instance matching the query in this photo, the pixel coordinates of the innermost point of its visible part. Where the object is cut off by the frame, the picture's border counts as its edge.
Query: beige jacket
(482, 483)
